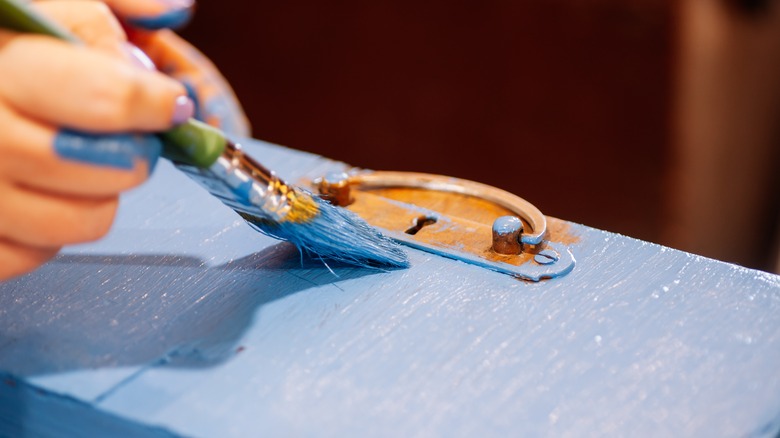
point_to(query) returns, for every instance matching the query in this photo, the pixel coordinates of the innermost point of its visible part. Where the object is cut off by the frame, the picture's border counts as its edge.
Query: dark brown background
(563, 103)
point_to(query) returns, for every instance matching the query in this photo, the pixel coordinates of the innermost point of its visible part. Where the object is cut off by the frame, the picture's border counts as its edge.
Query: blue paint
(229, 114)
(546, 257)
(121, 151)
(526, 271)
(328, 232)
(244, 191)
(221, 106)
(337, 234)
(507, 225)
(27, 411)
(192, 93)
(336, 177)
(170, 20)
(638, 340)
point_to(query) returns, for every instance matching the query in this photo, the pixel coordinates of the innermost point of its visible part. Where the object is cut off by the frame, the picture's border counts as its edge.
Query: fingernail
(193, 95)
(178, 14)
(178, 4)
(138, 57)
(119, 151)
(182, 111)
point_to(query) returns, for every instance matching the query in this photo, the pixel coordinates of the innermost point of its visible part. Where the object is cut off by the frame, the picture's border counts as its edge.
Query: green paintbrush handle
(18, 16)
(192, 142)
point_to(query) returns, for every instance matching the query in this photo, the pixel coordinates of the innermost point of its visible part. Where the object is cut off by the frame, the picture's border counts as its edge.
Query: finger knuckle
(94, 19)
(115, 98)
(101, 11)
(91, 13)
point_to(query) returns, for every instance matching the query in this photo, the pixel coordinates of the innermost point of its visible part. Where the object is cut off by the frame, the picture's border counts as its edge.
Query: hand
(148, 23)
(57, 185)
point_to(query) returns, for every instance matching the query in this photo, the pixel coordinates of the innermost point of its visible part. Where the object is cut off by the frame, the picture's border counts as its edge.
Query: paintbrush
(267, 203)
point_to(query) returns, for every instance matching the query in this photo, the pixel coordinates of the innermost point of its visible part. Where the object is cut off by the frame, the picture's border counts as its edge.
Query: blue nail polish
(112, 150)
(168, 20)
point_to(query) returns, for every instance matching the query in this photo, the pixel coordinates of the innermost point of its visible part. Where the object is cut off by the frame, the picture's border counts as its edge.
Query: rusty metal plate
(453, 218)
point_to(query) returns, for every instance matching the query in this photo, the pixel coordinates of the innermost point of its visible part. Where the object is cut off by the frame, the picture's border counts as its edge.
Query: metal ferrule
(271, 198)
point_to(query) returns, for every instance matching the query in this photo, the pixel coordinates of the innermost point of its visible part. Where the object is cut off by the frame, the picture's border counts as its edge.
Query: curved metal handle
(519, 206)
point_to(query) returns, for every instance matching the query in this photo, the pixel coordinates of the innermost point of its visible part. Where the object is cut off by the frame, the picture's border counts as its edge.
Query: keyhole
(419, 223)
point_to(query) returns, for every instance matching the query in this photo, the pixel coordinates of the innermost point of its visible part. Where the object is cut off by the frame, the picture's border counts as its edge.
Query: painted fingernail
(111, 150)
(138, 57)
(178, 4)
(182, 111)
(193, 95)
(178, 14)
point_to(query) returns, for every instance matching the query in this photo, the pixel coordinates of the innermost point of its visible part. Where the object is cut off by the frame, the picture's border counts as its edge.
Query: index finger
(83, 88)
(38, 156)
(92, 22)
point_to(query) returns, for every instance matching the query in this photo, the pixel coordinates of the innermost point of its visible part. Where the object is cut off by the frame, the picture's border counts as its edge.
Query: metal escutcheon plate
(450, 217)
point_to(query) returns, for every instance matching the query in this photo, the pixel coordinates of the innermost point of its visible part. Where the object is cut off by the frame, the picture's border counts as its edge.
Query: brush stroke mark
(120, 151)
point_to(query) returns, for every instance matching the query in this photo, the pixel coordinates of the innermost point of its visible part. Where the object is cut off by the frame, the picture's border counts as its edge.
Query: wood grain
(185, 320)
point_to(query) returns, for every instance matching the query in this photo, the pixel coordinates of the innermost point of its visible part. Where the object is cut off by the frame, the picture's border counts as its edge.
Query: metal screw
(506, 235)
(334, 188)
(546, 257)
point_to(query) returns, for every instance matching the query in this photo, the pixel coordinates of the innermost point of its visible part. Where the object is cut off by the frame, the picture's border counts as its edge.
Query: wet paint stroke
(638, 340)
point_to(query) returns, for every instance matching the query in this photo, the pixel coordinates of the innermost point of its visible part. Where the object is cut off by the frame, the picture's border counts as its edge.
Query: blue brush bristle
(337, 234)
(321, 229)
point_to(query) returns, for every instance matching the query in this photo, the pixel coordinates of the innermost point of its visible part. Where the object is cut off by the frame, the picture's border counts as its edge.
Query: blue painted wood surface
(184, 321)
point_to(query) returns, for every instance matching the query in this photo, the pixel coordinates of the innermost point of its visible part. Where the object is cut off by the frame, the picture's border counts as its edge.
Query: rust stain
(467, 225)
(471, 208)
(560, 231)
(451, 204)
